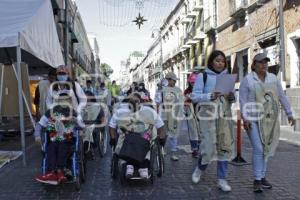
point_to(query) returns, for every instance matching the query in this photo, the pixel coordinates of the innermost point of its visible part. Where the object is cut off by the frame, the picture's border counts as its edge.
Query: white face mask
(62, 77)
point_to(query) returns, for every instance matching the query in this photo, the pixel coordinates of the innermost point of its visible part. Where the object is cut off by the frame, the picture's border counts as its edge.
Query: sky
(117, 35)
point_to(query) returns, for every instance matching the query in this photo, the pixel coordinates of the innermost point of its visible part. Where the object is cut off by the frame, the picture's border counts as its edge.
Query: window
(241, 64)
(228, 60)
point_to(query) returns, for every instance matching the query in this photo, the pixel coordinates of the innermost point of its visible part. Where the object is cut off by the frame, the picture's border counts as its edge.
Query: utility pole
(66, 39)
(282, 76)
(282, 40)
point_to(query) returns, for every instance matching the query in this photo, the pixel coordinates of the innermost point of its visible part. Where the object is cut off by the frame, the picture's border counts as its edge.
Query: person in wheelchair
(94, 119)
(59, 122)
(135, 119)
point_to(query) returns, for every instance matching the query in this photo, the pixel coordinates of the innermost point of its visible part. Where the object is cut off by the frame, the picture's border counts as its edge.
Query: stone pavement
(16, 182)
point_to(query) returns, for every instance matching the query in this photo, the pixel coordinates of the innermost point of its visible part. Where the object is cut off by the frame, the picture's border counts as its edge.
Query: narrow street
(190, 76)
(175, 184)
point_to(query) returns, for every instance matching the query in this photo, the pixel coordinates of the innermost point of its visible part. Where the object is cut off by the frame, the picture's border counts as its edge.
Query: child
(59, 122)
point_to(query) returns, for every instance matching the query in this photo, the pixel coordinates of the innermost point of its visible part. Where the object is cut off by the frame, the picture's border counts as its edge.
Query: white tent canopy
(28, 25)
(34, 21)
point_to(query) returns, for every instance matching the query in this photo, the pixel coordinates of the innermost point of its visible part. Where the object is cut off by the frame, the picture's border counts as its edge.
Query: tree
(106, 69)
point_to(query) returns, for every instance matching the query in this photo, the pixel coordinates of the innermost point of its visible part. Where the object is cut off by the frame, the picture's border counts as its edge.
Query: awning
(29, 23)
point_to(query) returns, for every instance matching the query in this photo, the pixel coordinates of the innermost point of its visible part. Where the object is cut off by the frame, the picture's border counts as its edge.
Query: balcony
(186, 20)
(209, 25)
(192, 14)
(198, 5)
(155, 71)
(199, 36)
(238, 8)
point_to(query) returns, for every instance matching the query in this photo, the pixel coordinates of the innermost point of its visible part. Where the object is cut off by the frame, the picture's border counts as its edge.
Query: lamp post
(161, 50)
(282, 42)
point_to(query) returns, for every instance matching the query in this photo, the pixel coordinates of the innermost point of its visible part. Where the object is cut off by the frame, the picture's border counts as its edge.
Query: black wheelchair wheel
(122, 174)
(81, 163)
(160, 161)
(153, 165)
(77, 184)
(102, 142)
(100, 139)
(114, 167)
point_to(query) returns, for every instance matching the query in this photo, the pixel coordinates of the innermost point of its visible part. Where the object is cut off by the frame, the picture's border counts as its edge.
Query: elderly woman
(260, 94)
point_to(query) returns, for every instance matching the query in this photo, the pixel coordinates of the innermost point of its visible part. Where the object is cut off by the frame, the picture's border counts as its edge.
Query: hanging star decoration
(139, 21)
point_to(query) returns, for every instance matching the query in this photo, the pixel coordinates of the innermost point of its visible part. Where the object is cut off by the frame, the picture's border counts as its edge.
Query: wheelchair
(76, 164)
(100, 137)
(156, 165)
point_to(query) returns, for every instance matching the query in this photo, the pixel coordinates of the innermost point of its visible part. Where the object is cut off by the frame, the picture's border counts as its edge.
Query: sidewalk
(289, 135)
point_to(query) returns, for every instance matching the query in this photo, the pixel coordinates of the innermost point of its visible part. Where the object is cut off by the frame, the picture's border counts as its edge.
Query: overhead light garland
(122, 13)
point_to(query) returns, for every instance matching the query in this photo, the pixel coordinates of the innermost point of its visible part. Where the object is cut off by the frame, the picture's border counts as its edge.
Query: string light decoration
(122, 13)
(139, 20)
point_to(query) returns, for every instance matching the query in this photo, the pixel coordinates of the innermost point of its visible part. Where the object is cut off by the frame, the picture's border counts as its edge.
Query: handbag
(134, 148)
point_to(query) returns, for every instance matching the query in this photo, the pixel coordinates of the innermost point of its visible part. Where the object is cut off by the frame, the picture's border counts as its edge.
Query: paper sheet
(225, 83)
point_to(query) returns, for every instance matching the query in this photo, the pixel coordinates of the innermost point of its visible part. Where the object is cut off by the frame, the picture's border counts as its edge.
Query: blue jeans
(259, 165)
(173, 143)
(222, 168)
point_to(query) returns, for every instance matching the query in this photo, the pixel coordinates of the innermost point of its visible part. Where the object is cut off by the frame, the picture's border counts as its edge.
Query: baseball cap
(260, 57)
(172, 76)
(62, 69)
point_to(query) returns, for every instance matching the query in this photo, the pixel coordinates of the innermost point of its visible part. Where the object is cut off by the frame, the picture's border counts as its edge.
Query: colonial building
(79, 54)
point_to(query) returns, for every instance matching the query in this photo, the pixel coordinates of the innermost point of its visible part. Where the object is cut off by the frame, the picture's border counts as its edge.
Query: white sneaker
(196, 176)
(223, 185)
(129, 171)
(143, 173)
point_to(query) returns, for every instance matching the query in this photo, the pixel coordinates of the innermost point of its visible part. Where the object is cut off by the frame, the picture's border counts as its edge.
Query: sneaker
(129, 171)
(48, 178)
(143, 173)
(174, 157)
(265, 184)
(61, 178)
(195, 154)
(223, 185)
(257, 186)
(196, 176)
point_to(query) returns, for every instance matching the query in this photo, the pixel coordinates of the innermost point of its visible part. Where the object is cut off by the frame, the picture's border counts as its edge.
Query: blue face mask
(62, 77)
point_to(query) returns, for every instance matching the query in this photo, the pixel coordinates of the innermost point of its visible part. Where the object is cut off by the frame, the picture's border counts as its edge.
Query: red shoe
(61, 177)
(48, 178)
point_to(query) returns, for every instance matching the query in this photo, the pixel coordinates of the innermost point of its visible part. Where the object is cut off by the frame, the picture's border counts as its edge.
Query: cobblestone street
(17, 182)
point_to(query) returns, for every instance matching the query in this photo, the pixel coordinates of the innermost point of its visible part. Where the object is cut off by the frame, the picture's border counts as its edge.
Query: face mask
(62, 77)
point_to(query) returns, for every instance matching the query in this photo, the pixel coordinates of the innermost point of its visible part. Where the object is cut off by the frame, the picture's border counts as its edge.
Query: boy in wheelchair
(59, 122)
(136, 124)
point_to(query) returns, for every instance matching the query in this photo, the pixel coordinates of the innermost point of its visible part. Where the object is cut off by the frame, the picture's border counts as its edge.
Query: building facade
(247, 27)
(79, 55)
(96, 70)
